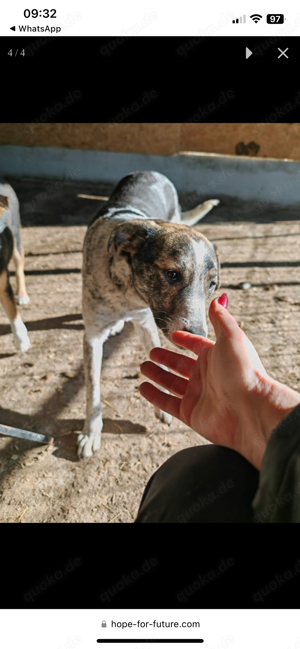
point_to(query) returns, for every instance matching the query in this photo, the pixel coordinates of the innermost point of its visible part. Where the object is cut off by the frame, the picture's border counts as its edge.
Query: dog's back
(143, 193)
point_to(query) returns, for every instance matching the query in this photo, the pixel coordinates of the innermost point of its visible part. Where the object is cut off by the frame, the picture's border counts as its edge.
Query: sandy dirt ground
(43, 390)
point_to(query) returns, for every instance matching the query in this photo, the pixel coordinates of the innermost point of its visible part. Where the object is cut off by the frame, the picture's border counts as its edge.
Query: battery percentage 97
(275, 19)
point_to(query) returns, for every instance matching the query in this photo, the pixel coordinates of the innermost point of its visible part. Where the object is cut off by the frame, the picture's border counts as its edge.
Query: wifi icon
(256, 17)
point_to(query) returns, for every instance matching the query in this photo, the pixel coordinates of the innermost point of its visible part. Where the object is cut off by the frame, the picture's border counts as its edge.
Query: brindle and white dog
(141, 262)
(11, 248)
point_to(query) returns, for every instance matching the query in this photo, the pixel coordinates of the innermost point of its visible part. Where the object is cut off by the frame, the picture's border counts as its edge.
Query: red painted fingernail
(223, 300)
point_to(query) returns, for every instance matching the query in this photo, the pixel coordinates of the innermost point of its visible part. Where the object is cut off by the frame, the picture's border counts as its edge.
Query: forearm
(278, 496)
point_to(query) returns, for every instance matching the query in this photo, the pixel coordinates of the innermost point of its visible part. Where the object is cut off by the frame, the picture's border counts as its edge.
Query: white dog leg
(89, 440)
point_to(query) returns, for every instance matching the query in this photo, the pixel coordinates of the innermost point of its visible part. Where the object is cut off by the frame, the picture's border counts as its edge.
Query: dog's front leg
(89, 440)
(145, 326)
(7, 300)
(18, 259)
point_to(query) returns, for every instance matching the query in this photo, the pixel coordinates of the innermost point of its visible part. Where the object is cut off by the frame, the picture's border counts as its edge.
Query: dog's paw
(117, 328)
(88, 445)
(22, 344)
(22, 300)
(163, 416)
(21, 338)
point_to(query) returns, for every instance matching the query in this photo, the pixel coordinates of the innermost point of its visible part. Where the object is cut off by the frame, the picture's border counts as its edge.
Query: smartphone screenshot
(149, 325)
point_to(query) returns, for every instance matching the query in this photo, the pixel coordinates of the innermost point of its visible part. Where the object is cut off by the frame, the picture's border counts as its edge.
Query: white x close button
(282, 53)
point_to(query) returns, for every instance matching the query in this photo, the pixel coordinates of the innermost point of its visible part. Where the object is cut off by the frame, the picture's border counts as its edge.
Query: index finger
(177, 362)
(193, 343)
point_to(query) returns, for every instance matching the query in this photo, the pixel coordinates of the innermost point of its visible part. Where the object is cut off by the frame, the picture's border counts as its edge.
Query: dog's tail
(193, 216)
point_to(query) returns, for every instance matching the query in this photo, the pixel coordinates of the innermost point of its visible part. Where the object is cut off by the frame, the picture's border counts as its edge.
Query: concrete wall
(270, 140)
(260, 181)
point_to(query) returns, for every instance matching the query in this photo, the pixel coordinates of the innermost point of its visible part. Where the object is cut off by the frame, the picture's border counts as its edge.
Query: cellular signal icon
(256, 18)
(242, 19)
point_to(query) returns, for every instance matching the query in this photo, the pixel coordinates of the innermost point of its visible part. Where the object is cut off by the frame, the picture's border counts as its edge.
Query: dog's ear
(128, 238)
(4, 203)
(219, 265)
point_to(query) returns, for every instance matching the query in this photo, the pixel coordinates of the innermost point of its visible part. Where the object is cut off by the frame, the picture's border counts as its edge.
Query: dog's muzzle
(196, 331)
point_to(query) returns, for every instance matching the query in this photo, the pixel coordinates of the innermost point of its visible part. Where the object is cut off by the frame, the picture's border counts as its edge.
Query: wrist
(265, 408)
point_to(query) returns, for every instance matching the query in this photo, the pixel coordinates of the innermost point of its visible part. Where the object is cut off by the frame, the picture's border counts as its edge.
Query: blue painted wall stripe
(251, 179)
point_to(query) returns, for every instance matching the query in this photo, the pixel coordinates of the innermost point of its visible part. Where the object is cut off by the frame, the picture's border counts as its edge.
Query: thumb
(223, 322)
(226, 326)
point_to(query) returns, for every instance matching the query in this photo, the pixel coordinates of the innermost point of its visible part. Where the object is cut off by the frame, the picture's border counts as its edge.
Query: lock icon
(103, 623)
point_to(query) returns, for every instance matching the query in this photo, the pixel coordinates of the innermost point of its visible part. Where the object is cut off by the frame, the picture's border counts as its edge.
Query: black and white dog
(142, 262)
(11, 248)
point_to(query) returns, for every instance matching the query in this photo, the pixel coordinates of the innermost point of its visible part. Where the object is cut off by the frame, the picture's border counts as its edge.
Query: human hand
(226, 394)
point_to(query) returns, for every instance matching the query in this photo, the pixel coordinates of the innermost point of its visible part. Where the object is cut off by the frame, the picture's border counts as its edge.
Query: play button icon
(248, 53)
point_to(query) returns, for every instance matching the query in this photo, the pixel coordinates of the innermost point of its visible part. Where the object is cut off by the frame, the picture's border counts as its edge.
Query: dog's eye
(212, 287)
(172, 275)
